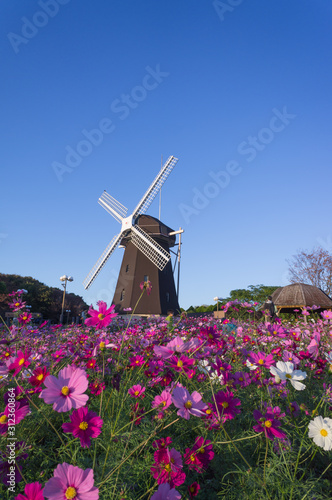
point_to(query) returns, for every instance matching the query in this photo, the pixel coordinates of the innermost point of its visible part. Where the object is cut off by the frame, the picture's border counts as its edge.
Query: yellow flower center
(201, 450)
(7, 354)
(83, 426)
(136, 393)
(25, 317)
(65, 392)
(225, 404)
(288, 375)
(3, 419)
(208, 412)
(164, 403)
(102, 345)
(21, 361)
(17, 304)
(192, 458)
(323, 432)
(70, 493)
(268, 423)
(260, 361)
(168, 468)
(40, 376)
(101, 316)
(179, 363)
(188, 405)
(241, 379)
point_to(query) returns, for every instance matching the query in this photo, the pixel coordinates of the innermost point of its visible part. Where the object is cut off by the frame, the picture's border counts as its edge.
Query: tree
(314, 268)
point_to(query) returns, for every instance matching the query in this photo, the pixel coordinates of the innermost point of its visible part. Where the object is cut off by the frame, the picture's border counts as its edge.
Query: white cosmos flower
(250, 365)
(320, 429)
(285, 371)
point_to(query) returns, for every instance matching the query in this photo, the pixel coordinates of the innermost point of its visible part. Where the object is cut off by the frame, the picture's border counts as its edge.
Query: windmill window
(146, 277)
(127, 268)
(122, 294)
(167, 297)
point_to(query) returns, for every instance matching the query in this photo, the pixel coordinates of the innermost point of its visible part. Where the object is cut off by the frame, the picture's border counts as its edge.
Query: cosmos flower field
(166, 408)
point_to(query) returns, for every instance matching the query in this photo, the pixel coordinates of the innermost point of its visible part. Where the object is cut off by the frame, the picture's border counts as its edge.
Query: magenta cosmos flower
(136, 391)
(20, 362)
(33, 491)
(226, 405)
(188, 404)
(261, 359)
(268, 424)
(71, 483)
(13, 414)
(66, 391)
(168, 467)
(84, 424)
(102, 317)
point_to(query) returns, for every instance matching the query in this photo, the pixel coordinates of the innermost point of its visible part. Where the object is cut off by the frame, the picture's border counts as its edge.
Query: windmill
(147, 242)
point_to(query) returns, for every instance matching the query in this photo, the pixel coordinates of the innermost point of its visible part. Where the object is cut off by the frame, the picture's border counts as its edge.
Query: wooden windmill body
(147, 244)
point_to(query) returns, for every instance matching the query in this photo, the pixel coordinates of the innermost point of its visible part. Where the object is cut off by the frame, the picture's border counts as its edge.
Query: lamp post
(64, 279)
(217, 299)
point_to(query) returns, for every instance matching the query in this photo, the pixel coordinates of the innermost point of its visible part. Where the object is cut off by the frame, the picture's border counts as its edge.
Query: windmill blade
(113, 207)
(149, 247)
(102, 261)
(155, 187)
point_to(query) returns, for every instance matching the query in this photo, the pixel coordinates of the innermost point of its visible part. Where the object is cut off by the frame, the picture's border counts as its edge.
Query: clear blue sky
(240, 92)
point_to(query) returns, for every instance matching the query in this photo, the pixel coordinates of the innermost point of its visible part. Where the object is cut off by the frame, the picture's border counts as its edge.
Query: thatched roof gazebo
(299, 296)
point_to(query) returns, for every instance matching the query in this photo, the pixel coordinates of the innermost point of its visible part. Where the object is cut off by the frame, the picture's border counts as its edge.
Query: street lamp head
(66, 278)
(218, 298)
(70, 278)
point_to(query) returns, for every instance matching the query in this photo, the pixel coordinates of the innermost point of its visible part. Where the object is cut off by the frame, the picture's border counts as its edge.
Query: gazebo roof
(301, 295)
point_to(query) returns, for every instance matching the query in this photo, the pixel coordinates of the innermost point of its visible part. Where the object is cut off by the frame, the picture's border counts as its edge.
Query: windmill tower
(147, 244)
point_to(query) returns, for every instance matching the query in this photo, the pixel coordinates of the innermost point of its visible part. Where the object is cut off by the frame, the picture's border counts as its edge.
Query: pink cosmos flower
(20, 362)
(326, 314)
(313, 347)
(136, 391)
(175, 345)
(66, 391)
(96, 387)
(268, 424)
(24, 318)
(165, 492)
(163, 401)
(162, 443)
(21, 411)
(146, 285)
(188, 404)
(136, 361)
(33, 491)
(193, 489)
(261, 359)
(200, 455)
(167, 467)
(182, 364)
(102, 317)
(84, 424)
(290, 356)
(226, 405)
(71, 482)
(17, 304)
